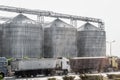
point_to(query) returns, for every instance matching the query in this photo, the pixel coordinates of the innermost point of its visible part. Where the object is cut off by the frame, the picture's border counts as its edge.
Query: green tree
(1, 77)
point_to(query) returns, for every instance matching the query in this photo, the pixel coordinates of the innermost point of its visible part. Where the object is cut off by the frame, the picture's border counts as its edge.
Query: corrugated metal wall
(1, 33)
(60, 40)
(91, 41)
(22, 38)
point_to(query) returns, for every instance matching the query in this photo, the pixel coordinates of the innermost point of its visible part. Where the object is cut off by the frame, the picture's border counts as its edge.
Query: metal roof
(88, 26)
(21, 19)
(59, 23)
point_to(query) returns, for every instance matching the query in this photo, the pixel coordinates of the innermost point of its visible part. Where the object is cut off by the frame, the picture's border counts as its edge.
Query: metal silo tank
(60, 40)
(22, 38)
(1, 33)
(91, 41)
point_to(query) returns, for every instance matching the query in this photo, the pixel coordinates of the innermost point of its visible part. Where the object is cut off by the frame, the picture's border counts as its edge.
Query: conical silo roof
(59, 23)
(88, 26)
(21, 19)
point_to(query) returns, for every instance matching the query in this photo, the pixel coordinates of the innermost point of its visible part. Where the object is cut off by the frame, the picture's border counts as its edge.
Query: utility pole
(110, 43)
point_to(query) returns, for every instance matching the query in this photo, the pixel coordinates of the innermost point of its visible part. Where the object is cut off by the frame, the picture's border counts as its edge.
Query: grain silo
(91, 41)
(1, 32)
(60, 40)
(22, 38)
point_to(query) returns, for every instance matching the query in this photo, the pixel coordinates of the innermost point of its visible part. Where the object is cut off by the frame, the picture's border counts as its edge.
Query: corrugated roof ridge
(88, 25)
(20, 17)
(54, 22)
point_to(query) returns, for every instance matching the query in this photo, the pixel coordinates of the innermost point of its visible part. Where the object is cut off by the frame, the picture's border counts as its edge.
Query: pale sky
(107, 10)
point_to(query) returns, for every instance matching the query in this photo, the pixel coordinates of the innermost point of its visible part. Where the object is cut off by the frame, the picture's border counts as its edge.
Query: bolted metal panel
(22, 38)
(60, 40)
(1, 32)
(91, 41)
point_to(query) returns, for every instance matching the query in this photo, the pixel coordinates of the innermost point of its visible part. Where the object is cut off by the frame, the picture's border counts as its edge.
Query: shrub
(91, 77)
(68, 78)
(114, 76)
(51, 78)
(117, 79)
(1, 77)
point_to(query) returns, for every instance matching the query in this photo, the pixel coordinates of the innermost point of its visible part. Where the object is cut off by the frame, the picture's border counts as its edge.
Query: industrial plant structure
(22, 37)
(60, 40)
(91, 41)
